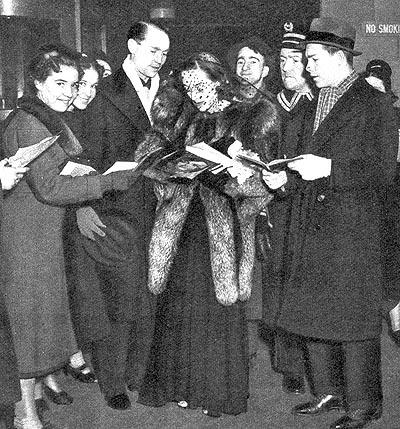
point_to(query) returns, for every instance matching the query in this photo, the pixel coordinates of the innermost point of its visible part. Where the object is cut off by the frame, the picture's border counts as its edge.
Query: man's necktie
(146, 84)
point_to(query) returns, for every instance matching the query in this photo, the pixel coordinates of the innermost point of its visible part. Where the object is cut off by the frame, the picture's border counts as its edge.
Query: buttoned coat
(332, 288)
(34, 287)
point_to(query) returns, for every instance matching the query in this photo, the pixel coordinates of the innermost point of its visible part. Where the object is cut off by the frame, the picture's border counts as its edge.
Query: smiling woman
(87, 85)
(31, 231)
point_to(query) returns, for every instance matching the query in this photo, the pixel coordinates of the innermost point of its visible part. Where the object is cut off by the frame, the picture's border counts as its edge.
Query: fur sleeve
(258, 128)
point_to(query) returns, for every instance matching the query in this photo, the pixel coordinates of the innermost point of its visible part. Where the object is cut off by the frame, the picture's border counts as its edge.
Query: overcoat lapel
(345, 110)
(122, 94)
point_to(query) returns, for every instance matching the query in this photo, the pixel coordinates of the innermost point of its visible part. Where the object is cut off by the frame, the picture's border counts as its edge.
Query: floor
(268, 406)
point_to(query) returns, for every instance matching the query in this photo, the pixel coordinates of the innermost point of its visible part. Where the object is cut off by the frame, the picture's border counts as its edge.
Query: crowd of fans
(156, 276)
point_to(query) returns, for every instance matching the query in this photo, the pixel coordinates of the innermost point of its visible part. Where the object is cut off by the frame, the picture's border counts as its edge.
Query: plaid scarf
(329, 96)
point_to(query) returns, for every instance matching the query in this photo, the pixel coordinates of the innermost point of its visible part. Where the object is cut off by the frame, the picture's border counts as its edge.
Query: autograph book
(271, 166)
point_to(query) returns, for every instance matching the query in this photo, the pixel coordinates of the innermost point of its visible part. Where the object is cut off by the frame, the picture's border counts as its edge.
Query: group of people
(160, 274)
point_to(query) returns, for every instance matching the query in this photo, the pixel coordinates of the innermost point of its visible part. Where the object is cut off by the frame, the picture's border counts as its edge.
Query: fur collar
(53, 122)
(255, 124)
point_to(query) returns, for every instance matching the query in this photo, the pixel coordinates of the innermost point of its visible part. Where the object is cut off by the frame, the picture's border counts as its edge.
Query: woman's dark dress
(199, 351)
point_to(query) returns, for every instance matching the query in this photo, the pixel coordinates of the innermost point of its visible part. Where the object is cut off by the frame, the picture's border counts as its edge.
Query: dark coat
(333, 285)
(292, 127)
(9, 379)
(31, 233)
(115, 124)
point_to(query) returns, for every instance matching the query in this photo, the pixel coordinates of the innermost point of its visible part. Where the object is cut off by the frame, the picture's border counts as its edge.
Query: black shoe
(293, 384)
(59, 398)
(119, 402)
(321, 404)
(357, 419)
(79, 375)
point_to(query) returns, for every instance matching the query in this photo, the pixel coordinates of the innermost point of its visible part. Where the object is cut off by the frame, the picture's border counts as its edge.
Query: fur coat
(178, 123)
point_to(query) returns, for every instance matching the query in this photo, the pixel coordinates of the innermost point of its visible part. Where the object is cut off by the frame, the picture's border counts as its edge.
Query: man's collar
(346, 83)
(133, 76)
(288, 99)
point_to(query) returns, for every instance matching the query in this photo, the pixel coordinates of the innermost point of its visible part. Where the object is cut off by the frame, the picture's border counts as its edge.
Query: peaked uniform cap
(293, 37)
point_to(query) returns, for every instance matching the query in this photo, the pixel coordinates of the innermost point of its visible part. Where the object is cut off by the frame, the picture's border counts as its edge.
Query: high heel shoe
(78, 374)
(59, 398)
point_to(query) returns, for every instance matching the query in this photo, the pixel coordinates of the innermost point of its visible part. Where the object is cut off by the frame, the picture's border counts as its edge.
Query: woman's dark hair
(88, 63)
(49, 59)
(208, 63)
(228, 90)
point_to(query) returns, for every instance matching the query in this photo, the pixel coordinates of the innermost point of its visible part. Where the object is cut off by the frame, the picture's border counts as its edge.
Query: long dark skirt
(200, 351)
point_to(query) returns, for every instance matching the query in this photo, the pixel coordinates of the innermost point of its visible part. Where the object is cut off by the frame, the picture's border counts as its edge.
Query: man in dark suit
(294, 101)
(332, 296)
(116, 311)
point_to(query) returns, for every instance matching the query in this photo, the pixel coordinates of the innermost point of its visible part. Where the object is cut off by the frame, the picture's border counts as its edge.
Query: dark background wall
(211, 25)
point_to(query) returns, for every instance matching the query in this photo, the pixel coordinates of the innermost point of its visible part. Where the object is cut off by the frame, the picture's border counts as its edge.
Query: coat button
(320, 198)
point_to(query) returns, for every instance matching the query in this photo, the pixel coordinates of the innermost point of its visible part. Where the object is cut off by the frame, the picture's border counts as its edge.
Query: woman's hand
(274, 180)
(89, 223)
(10, 176)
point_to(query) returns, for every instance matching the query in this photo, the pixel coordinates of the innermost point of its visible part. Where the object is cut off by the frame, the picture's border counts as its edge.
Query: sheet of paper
(75, 169)
(203, 150)
(25, 155)
(121, 166)
(271, 166)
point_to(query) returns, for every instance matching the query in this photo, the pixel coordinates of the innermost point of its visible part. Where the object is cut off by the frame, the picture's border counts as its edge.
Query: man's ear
(265, 71)
(341, 56)
(132, 46)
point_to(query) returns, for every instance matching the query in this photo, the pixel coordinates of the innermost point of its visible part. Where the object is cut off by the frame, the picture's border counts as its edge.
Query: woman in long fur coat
(202, 246)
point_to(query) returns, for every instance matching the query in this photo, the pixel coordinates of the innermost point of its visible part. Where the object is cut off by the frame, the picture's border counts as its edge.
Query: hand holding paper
(10, 176)
(311, 167)
(26, 155)
(234, 168)
(274, 180)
